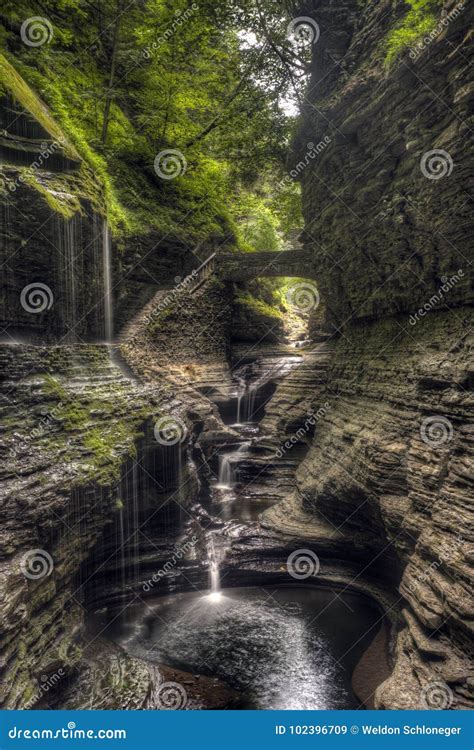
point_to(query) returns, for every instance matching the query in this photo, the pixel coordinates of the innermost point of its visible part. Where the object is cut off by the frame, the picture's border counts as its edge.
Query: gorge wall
(77, 442)
(388, 225)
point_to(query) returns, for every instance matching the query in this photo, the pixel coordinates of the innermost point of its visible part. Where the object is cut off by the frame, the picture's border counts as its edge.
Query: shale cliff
(388, 221)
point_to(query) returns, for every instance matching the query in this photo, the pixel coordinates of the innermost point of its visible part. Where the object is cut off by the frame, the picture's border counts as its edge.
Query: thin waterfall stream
(107, 272)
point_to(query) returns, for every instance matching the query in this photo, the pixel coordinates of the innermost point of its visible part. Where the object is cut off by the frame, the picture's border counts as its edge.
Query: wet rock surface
(389, 467)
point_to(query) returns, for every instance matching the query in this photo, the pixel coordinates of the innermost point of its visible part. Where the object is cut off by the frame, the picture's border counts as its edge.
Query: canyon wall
(78, 442)
(389, 225)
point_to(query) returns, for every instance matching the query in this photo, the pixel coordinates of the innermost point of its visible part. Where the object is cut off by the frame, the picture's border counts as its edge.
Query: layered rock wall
(388, 225)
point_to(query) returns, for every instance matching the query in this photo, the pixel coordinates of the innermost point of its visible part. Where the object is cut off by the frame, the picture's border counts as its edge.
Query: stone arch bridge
(246, 266)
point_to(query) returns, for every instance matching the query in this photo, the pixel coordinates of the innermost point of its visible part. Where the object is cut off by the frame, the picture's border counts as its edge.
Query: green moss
(76, 418)
(420, 20)
(118, 178)
(58, 200)
(12, 83)
(52, 387)
(258, 306)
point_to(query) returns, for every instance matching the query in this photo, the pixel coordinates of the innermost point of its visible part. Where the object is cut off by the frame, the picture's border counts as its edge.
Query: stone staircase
(165, 297)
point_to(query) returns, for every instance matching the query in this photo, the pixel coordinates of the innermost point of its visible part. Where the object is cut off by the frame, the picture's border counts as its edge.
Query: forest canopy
(129, 81)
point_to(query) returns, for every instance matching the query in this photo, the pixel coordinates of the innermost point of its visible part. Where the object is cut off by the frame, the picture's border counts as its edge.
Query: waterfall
(226, 475)
(228, 469)
(121, 545)
(246, 395)
(215, 579)
(242, 388)
(71, 262)
(251, 394)
(214, 573)
(107, 271)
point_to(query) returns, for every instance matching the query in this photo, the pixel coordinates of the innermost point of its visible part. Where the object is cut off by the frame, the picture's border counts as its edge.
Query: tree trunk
(115, 44)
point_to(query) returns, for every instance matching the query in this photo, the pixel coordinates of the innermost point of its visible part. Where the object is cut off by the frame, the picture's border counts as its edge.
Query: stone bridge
(246, 266)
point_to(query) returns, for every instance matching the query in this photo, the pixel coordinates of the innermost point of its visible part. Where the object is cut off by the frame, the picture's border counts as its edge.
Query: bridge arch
(247, 266)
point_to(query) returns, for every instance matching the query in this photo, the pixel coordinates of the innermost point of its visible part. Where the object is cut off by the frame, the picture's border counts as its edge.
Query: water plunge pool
(285, 647)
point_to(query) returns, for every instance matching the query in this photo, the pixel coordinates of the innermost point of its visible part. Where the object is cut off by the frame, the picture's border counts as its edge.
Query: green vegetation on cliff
(128, 82)
(420, 20)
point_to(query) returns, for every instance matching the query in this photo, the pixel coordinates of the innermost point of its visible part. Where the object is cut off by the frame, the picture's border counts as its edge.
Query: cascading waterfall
(214, 572)
(250, 401)
(67, 231)
(245, 402)
(107, 273)
(228, 469)
(240, 397)
(225, 480)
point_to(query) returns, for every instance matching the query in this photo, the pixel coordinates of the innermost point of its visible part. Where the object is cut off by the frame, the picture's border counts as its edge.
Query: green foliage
(256, 305)
(183, 80)
(420, 19)
(257, 225)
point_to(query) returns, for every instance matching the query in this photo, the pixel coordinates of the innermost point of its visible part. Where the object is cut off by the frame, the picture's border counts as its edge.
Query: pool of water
(281, 647)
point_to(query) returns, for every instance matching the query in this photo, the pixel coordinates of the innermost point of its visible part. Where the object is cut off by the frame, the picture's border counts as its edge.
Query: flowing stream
(291, 646)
